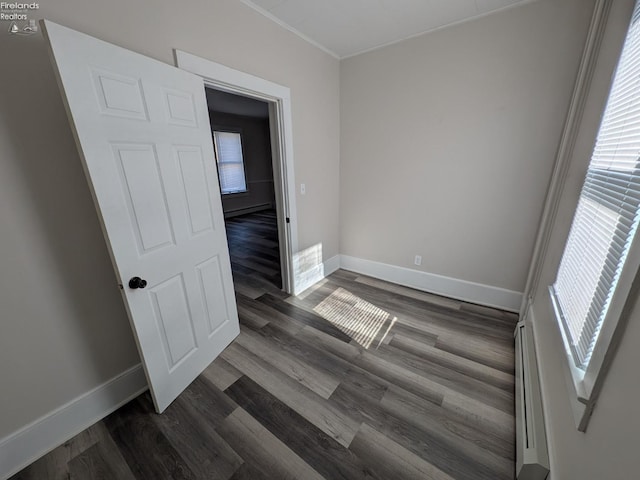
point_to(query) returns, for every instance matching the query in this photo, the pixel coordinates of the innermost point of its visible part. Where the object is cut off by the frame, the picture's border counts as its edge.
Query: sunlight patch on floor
(356, 317)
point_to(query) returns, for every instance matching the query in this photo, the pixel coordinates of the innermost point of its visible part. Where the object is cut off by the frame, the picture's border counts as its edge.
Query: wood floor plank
(99, 463)
(479, 351)
(203, 450)
(329, 343)
(297, 347)
(256, 280)
(253, 265)
(440, 324)
(453, 380)
(260, 447)
(251, 319)
(439, 319)
(370, 385)
(285, 322)
(303, 295)
(259, 240)
(268, 259)
(308, 318)
(254, 253)
(456, 430)
(370, 411)
(308, 404)
(427, 443)
(323, 453)
(144, 447)
(437, 393)
(297, 368)
(54, 465)
(427, 323)
(246, 290)
(109, 450)
(249, 471)
(258, 252)
(456, 363)
(509, 318)
(456, 309)
(221, 373)
(366, 324)
(411, 381)
(211, 404)
(485, 416)
(410, 332)
(493, 453)
(390, 460)
(410, 292)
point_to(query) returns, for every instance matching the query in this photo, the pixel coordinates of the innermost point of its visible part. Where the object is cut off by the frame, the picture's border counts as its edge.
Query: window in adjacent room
(597, 270)
(228, 149)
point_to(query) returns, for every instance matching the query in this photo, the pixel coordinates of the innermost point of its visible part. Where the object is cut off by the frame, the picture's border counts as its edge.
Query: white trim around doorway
(278, 97)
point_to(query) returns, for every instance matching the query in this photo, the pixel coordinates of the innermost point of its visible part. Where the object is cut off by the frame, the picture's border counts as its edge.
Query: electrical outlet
(418, 260)
(303, 189)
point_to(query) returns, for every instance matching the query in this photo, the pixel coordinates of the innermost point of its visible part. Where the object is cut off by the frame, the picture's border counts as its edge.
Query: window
(228, 146)
(596, 271)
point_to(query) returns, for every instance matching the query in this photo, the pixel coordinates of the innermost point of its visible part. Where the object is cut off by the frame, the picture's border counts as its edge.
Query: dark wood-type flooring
(255, 256)
(355, 378)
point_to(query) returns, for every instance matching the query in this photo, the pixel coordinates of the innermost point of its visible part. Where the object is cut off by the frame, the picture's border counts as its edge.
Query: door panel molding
(132, 116)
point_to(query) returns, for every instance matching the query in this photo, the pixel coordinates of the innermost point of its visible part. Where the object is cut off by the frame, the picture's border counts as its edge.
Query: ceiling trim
(440, 27)
(275, 19)
(284, 25)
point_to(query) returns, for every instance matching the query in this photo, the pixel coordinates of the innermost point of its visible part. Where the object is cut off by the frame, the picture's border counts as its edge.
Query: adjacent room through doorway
(242, 141)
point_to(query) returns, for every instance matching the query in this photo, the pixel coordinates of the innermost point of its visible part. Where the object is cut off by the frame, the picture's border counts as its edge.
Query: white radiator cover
(532, 456)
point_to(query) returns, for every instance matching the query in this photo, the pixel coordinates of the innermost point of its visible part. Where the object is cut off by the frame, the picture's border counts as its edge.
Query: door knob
(137, 282)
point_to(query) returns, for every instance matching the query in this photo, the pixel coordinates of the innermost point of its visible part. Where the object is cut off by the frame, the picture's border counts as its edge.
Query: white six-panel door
(143, 134)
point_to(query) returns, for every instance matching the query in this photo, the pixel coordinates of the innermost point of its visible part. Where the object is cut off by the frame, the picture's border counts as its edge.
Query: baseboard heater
(243, 211)
(532, 456)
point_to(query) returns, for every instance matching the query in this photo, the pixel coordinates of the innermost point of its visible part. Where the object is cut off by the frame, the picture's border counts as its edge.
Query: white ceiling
(345, 28)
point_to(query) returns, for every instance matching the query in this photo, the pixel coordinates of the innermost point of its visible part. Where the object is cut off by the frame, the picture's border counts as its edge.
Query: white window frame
(243, 162)
(587, 384)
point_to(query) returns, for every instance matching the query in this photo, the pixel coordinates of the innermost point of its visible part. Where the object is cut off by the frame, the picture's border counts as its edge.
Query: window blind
(230, 162)
(607, 215)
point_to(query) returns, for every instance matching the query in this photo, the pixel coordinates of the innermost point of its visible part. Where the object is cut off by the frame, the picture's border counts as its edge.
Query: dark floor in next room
(255, 255)
(355, 378)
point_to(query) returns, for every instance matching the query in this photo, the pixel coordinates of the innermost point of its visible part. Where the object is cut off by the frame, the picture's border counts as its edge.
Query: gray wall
(256, 151)
(610, 446)
(448, 140)
(64, 330)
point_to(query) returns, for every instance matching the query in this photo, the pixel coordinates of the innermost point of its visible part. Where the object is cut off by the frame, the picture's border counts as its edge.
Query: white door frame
(278, 97)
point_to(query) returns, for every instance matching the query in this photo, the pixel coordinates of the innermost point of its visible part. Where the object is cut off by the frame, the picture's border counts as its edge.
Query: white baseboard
(313, 275)
(23, 447)
(331, 265)
(246, 210)
(448, 287)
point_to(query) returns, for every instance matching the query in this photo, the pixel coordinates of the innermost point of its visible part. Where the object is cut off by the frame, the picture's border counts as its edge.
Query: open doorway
(278, 99)
(242, 142)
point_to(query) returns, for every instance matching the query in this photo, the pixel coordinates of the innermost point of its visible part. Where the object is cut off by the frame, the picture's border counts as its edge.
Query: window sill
(241, 193)
(581, 396)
